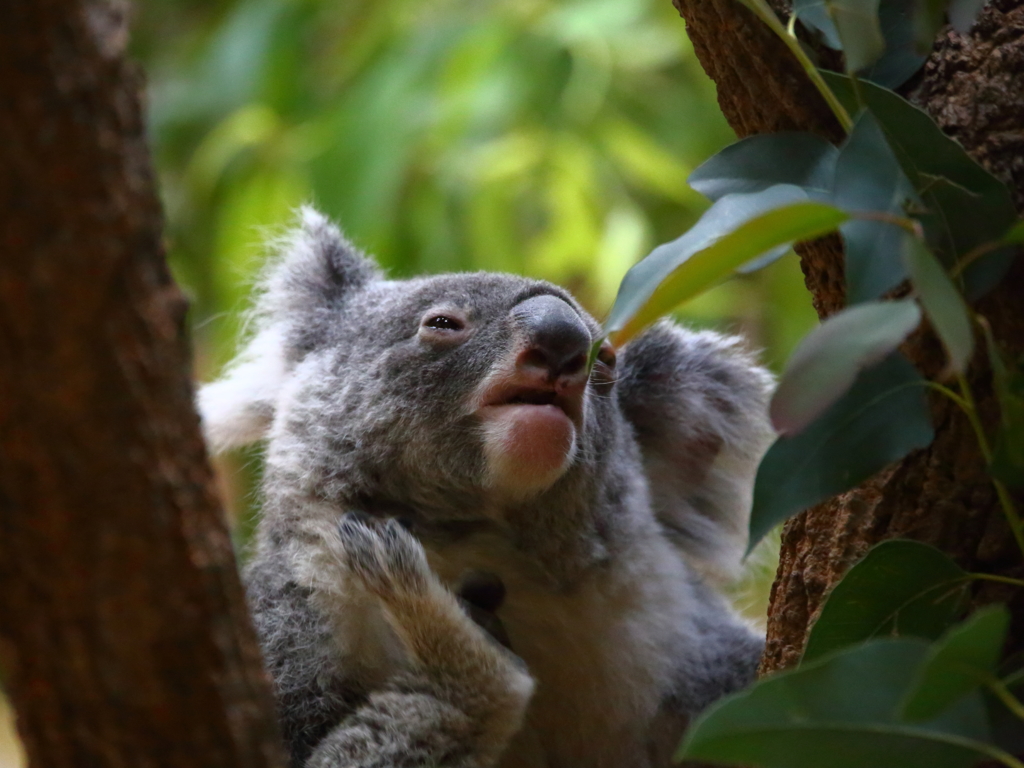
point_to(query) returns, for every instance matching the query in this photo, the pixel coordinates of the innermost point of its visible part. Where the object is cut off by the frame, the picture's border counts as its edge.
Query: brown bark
(124, 638)
(941, 495)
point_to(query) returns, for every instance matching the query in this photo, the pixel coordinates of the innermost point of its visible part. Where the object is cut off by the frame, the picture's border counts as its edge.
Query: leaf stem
(595, 349)
(764, 12)
(971, 410)
(973, 255)
(1010, 510)
(1005, 500)
(962, 404)
(1011, 702)
(1013, 678)
(965, 402)
(1003, 757)
(997, 578)
(913, 226)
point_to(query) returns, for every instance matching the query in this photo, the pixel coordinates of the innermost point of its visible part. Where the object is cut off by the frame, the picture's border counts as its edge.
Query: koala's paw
(385, 557)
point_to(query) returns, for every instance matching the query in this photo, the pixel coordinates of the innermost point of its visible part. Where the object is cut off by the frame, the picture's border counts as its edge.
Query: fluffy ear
(303, 287)
(698, 404)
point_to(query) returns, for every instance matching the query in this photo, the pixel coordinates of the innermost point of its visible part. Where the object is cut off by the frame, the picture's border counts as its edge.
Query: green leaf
(959, 663)
(869, 178)
(735, 230)
(942, 302)
(813, 14)
(896, 21)
(1015, 234)
(764, 160)
(1008, 382)
(844, 712)
(900, 587)
(859, 30)
(880, 419)
(929, 16)
(901, 58)
(966, 205)
(827, 361)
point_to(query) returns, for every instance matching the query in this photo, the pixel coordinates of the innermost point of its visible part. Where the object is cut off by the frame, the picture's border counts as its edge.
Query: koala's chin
(527, 447)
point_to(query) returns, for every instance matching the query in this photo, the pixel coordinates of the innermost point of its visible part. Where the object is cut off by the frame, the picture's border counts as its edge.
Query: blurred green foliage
(546, 138)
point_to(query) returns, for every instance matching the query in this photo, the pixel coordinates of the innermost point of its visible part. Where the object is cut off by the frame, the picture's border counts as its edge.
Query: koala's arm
(697, 402)
(720, 656)
(456, 698)
(727, 653)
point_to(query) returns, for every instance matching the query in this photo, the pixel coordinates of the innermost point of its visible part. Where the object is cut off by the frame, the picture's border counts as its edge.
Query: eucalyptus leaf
(843, 711)
(880, 419)
(896, 21)
(869, 178)
(942, 302)
(813, 14)
(859, 30)
(965, 205)
(735, 230)
(827, 361)
(959, 663)
(764, 160)
(763, 261)
(900, 588)
(1015, 234)
(929, 16)
(901, 58)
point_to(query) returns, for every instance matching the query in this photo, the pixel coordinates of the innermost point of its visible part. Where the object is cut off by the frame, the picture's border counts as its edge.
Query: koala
(475, 549)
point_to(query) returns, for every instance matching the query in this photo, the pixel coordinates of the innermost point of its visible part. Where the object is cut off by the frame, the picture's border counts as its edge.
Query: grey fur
(619, 638)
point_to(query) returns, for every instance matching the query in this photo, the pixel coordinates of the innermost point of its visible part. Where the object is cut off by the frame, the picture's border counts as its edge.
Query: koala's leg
(463, 696)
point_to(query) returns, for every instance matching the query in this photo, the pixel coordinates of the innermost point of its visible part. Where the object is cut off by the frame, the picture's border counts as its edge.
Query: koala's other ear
(698, 404)
(237, 408)
(315, 271)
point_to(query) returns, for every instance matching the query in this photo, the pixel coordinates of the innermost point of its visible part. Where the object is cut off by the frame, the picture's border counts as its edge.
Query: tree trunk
(124, 638)
(941, 495)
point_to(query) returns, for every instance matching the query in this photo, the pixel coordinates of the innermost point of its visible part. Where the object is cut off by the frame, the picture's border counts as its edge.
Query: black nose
(557, 338)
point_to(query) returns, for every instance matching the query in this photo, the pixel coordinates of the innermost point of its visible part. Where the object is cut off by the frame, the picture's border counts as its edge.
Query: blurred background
(542, 137)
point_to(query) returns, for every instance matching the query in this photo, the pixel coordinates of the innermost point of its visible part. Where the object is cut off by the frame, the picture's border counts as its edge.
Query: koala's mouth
(531, 397)
(537, 396)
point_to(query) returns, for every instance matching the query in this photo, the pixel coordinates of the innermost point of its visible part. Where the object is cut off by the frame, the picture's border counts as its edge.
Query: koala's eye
(444, 323)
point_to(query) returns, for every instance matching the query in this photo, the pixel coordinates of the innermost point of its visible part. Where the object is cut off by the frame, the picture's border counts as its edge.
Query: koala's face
(437, 389)
(457, 393)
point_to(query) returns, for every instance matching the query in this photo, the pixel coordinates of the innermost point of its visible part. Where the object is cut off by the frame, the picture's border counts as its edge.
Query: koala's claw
(384, 556)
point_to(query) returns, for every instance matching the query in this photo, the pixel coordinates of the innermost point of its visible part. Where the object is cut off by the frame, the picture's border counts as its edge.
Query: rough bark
(941, 495)
(124, 638)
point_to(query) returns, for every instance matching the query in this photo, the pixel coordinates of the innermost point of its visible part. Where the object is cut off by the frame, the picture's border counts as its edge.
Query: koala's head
(451, 392)
(467, 396)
